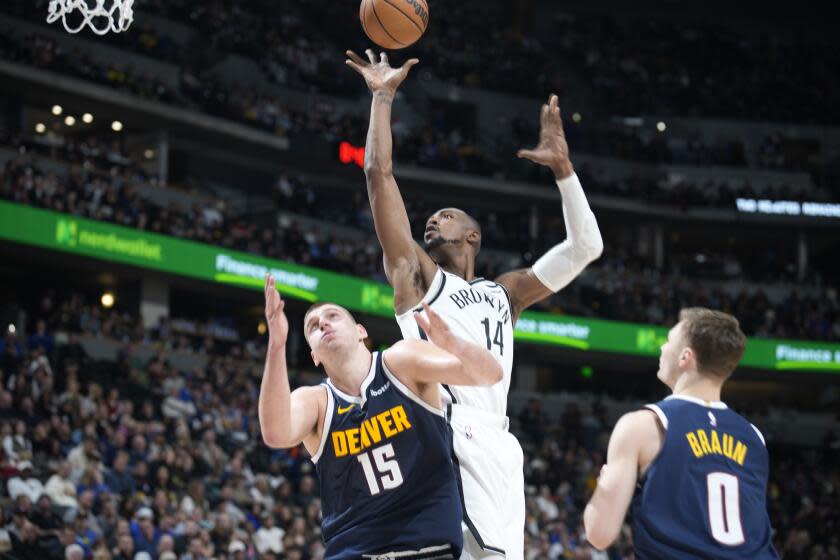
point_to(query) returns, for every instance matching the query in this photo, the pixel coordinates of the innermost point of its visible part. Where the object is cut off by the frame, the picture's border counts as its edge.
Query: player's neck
(692, 384)
(460, 265)
(347, 371)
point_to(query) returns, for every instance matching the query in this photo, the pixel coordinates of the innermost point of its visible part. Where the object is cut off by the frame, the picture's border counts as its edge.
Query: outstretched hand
(278, 324)
(435, 328)
(552, 149)
(378, 74)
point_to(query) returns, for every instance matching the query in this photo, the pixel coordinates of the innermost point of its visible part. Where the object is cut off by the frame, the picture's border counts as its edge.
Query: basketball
(394, 24)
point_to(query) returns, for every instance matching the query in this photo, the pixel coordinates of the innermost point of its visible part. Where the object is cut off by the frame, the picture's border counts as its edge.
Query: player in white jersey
(442, 274)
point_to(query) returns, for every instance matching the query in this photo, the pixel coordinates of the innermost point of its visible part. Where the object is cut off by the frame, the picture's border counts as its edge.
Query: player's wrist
(383, 95)
(276, 343)
(562, 170)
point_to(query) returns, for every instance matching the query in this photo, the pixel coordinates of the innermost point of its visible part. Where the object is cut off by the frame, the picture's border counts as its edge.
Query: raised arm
(286, 418)
(634, 442)
(444, 358)
(583, 244)
(408, 268)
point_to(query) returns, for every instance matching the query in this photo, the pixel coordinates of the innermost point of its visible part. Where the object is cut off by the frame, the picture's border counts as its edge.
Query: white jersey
(477, 311)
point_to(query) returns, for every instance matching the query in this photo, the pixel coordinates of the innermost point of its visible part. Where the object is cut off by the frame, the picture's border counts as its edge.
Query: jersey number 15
(386, 472)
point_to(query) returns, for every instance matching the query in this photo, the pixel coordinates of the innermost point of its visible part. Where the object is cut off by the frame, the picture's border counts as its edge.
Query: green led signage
(90, 238)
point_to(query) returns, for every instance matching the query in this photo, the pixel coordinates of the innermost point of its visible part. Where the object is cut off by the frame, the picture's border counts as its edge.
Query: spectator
(118, 479)
(74, 552)
(61, 489)
(268, 537)
(144, 532)
(124, 549)
(84, 456)
(25, 484)
(16, 445)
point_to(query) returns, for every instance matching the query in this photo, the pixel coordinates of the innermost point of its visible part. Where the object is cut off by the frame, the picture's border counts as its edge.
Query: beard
(440, 241)
(435, 243)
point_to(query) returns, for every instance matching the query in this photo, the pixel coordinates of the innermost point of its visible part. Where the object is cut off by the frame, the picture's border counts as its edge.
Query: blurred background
(150, 179)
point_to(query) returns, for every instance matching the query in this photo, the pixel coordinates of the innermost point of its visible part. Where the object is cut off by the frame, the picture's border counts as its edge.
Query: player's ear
(474, 237)
(363, 334)
(685, 357)
(315, 359)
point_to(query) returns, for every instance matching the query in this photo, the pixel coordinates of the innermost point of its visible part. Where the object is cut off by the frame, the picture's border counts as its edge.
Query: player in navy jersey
(376, 430)
(699, 470)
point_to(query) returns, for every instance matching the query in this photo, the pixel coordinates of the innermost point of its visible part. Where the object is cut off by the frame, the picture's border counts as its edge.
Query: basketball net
(92, 13)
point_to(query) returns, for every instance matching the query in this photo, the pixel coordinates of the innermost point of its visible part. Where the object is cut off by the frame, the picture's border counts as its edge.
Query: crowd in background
(670, 66)
(622, 286)
(309, 60)
(135, 458)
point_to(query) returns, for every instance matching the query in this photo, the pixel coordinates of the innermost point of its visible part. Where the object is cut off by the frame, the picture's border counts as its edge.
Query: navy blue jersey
(704, 494)
(386, 473)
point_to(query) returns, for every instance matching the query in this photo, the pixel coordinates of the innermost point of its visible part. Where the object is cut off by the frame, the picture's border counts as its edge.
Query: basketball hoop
(92, 13)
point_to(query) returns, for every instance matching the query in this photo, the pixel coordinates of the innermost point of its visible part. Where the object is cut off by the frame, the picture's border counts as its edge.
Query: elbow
(595, 248)
(489, 376)
(274, 440)
(495, 375)
(598, 541)
(376, 170)
(597, 534)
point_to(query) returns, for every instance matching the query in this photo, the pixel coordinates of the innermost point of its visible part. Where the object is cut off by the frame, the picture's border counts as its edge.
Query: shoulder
(637, 427)
(312, 393)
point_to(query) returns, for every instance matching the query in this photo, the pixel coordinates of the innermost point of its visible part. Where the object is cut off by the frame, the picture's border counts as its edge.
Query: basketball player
(701, 468)
(442, 275)
(375, 429)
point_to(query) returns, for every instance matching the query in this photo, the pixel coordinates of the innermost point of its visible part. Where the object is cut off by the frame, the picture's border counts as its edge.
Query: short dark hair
(477, 227)
(716, 339)
(318, 304)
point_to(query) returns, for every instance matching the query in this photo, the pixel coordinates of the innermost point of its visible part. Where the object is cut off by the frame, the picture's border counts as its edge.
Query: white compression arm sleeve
(583, 244)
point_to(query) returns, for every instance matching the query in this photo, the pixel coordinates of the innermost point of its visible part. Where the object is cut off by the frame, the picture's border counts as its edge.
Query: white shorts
(490, 463)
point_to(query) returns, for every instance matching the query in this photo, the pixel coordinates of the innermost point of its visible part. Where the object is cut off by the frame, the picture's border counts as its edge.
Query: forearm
(581, 225)
(583, 243)
(477, 364)
(601, 521)
(594, 524)
(379, 144)
(275, 403)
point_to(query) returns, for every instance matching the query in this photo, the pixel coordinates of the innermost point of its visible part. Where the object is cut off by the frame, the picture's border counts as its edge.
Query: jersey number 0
(724, 508)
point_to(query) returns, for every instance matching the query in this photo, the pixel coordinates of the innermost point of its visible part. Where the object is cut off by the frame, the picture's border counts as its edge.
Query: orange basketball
(394, 24)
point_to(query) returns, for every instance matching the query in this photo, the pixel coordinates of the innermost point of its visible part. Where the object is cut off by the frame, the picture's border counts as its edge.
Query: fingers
(527, 154)
(269, 285)
(409, 63)
(383, 58)
(355, 58)
(354, 66)
(355, 62)
(371, 56)
(554, 108)
(422, 322)
(434, 318)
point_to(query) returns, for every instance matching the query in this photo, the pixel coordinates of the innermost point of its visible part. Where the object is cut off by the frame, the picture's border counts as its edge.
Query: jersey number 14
(498, 337)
